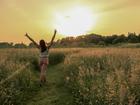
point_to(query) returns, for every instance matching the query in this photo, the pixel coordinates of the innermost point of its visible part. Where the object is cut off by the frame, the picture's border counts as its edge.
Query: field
(75, 76)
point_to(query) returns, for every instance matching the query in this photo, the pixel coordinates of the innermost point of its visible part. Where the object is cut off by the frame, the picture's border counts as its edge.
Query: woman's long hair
(42, 45)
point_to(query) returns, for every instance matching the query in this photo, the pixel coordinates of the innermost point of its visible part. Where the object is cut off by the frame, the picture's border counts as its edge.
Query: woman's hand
(55, 31)
(26, 35)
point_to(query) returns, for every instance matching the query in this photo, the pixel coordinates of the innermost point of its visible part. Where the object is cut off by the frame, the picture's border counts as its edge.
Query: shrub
(56, 58)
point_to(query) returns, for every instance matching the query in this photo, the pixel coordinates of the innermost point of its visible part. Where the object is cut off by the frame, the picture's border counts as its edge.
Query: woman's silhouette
(44, 54)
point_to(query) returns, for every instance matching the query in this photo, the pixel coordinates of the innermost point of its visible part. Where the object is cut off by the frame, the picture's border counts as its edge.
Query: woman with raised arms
(44, 55)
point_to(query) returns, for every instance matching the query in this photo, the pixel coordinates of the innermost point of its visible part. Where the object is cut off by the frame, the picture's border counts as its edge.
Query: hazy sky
(37, 17)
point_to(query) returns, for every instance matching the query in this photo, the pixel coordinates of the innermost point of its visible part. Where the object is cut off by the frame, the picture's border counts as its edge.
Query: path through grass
(54, 92)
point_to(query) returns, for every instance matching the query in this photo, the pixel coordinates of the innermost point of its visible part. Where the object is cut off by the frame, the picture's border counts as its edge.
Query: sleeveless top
(44, 54)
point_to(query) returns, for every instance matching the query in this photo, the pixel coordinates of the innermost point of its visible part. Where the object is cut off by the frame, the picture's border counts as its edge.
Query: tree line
(17, 45)
(83, 41)
(95, 39)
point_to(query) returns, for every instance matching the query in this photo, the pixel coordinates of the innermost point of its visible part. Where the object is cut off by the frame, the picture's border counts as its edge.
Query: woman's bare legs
(43, 73)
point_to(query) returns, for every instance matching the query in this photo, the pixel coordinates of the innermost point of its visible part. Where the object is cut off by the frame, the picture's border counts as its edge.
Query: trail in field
(53, 93)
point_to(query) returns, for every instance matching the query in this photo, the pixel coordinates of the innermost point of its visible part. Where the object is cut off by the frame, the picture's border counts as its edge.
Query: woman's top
(44, 54)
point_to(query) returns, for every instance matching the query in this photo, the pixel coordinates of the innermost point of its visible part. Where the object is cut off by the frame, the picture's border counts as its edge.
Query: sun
(75, 21)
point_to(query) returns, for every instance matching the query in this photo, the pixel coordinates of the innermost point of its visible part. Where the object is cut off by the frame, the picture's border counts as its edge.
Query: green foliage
(56, 58)
(88, 40)
(95, 39)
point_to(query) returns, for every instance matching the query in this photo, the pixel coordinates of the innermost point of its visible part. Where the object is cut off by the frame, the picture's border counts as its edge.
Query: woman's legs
(43, 73)
(43, 68)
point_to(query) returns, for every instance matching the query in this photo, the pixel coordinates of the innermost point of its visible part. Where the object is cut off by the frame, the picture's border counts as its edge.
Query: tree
(139, 38)
(6, 45)
(119, 39)
(110, 39)
(31, 45)
(132, 38)
(20, 45)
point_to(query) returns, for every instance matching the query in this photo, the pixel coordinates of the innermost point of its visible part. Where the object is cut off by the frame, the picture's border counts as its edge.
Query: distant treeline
(95, 39)
(83, 41)
(17, 45)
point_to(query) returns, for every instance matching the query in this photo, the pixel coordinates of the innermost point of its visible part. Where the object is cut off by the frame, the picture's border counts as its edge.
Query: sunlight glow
(76, 21)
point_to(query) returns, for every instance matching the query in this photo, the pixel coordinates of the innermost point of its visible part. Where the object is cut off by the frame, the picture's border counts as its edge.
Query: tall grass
(95, 76)
(19, 78)
(104, 78)
(16, 76)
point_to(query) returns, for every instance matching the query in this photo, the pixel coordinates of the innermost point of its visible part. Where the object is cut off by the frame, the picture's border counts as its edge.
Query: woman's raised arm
(32, 40)
(55, 31)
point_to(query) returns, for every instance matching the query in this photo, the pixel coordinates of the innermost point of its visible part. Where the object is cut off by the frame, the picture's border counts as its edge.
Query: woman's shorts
(44, 61)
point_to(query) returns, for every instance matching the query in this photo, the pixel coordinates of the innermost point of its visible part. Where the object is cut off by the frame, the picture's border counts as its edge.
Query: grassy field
(75, 76)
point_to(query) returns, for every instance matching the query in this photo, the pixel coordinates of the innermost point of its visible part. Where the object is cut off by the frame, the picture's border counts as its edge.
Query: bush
(56, 58)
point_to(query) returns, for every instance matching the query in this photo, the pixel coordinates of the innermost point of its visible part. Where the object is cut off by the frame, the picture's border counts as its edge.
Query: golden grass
(114, 75)
(95, 75)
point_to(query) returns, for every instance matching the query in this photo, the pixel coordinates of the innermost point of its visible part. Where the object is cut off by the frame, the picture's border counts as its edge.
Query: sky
(38, 17)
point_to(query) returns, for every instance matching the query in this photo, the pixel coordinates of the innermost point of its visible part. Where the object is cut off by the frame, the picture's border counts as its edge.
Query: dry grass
(104, 76)
(95, 76)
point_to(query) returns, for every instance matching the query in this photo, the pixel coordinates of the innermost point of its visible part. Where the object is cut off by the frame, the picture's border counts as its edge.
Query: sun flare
(75, 21)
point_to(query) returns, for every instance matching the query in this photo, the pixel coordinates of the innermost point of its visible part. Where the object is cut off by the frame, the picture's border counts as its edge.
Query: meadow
(76, 76)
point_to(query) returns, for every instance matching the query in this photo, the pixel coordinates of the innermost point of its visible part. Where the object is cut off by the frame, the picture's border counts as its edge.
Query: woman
(44, 54)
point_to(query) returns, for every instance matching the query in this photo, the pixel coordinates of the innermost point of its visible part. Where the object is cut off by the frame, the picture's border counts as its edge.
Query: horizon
(39, 19)
(21, 42)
